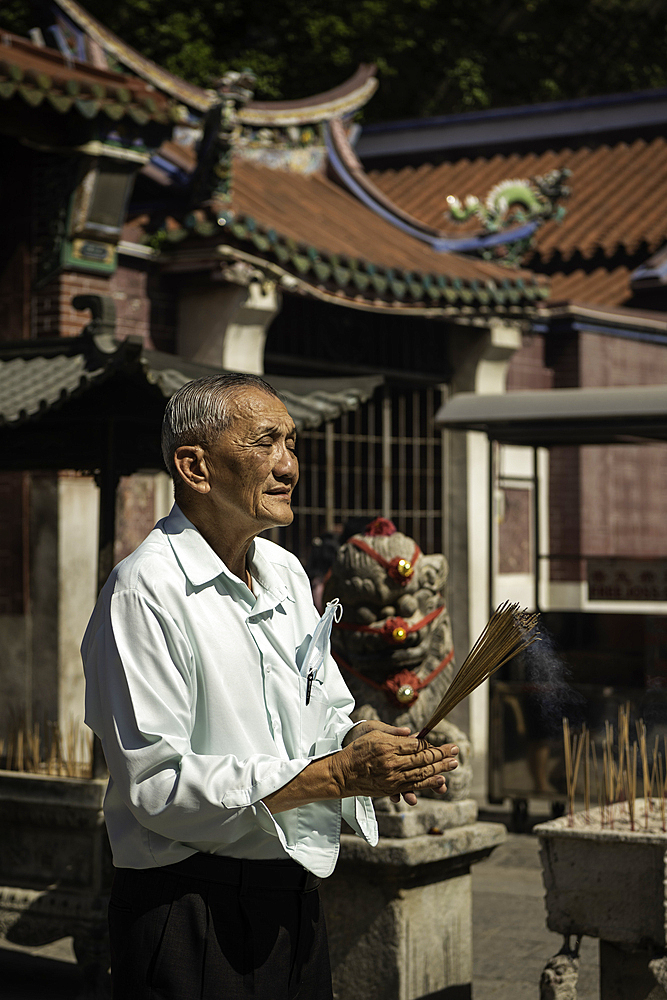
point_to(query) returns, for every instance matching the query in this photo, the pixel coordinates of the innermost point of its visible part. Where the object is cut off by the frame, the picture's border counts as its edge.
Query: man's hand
(385, 760)
(361, 728)
(376, 759)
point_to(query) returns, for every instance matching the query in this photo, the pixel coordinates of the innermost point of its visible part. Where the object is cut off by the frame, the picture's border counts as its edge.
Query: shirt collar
(198, 560)
(201, 564)
(272, 589)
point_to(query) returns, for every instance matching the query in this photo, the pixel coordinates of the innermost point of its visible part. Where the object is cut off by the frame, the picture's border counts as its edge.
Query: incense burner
(609, 883)
(394, 645)
(55, 867)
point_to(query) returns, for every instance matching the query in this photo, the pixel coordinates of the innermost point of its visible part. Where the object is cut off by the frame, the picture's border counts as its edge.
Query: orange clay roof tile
(315, 211)
(598, 287)
(616, 204)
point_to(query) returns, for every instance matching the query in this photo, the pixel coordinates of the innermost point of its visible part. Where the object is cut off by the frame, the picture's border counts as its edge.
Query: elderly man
(231, 759)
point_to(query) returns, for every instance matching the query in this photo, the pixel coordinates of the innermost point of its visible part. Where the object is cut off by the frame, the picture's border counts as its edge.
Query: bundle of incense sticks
(508, 632)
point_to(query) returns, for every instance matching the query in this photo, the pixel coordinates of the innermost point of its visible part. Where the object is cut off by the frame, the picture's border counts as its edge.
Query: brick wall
(624, 487)
(603, 500)
(145, 305)
(528, 368)
(135, 513)
(620, 361)
(565, 512)
(606, 500)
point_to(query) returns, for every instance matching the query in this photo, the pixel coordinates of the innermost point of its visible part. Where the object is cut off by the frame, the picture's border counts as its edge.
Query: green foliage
(433, 56)
(17, 16)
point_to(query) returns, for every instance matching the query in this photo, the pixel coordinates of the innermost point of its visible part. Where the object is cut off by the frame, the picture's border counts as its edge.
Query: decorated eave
(314, 237)
(42, 77)
(502, 228)
(347, 279)
(340, 101)
(604, 244)
(269, 209)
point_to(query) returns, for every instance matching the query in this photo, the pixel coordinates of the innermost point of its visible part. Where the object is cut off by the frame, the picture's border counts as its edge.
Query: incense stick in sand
(509, 631)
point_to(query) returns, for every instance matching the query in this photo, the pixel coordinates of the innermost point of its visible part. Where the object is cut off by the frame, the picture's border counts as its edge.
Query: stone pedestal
(399, 915)
(55, 867)
(610, 884)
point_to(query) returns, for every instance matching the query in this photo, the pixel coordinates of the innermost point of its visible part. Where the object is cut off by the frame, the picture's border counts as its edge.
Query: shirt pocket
(312, 716)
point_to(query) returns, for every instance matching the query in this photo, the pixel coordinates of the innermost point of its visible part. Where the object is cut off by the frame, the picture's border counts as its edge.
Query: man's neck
(232, 547)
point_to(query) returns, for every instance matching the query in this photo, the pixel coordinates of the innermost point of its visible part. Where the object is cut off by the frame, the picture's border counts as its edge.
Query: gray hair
(200, 410)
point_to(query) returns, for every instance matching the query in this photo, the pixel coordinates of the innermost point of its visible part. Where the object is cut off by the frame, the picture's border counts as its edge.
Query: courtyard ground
(510, 941)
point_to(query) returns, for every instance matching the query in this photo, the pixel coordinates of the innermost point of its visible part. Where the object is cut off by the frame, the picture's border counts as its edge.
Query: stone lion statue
(394, 644)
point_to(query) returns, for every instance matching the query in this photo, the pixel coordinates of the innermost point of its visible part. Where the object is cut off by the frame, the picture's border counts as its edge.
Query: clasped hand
(379, 759)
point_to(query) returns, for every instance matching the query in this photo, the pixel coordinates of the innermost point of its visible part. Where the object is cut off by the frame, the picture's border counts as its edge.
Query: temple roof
(615, 203)
(318, 237)
(595, 249)
(56, 397)
(601, 286)
(344, 99)
(338, 102)
(280, 212)
(426, 140)
(43, 77)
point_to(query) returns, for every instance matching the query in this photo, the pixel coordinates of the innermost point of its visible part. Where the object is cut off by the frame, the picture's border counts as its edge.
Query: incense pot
(394, 645)
(609, 882)
(55, 867)
(605, 867)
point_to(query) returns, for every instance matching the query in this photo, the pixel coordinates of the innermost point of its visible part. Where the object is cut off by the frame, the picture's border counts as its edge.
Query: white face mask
(318, 647)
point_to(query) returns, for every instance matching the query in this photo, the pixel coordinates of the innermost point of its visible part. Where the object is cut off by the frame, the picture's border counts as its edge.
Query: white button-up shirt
(194, 686)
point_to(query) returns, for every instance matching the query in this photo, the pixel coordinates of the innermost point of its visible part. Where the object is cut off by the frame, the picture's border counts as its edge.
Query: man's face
(253, 467)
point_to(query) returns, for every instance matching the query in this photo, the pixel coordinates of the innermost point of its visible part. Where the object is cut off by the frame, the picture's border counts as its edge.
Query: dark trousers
(176, 935)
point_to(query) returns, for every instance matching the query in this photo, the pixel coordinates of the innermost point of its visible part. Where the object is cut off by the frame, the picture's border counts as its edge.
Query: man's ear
(190, 462)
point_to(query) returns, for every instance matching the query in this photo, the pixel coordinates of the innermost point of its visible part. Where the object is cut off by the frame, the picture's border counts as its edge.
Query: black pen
(309, 685)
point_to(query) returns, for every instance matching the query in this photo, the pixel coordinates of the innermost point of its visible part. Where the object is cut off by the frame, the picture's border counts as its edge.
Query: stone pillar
(480, 358)
(225, 325)
(399, 916)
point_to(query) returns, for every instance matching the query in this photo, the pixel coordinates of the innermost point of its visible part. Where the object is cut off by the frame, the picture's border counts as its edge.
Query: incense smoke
(550, 695)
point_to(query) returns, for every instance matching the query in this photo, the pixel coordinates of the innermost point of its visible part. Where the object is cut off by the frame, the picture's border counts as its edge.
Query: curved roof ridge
(350, 172)
(340, 101)
(188, 93)
(344, 99)
(350, 159)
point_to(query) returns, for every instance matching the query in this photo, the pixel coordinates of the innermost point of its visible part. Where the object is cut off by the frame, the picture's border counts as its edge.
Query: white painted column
(481, 360)
(78, 515)
(163, 496)
(225, 325)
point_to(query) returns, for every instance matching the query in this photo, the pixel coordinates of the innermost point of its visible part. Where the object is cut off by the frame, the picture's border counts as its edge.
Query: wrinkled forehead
(256, 410)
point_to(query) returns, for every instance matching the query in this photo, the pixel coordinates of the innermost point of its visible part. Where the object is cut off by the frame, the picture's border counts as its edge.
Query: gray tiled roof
(30, 386)
(36, 377)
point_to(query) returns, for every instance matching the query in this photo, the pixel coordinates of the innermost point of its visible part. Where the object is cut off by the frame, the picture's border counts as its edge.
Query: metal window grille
(386, 458)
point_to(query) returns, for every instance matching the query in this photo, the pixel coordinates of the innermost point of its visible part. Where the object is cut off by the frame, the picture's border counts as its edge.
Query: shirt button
(277, 727)
(267, 668)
